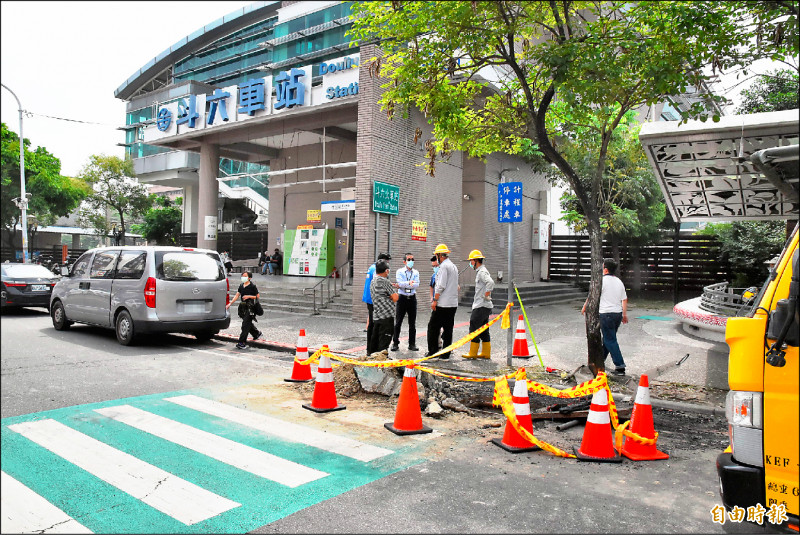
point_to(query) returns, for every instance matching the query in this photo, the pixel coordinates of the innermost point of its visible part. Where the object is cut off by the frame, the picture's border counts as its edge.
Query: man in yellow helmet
(444, 303)
(481, 308)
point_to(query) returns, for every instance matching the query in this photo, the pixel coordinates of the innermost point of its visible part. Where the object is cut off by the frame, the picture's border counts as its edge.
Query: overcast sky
(65, 59)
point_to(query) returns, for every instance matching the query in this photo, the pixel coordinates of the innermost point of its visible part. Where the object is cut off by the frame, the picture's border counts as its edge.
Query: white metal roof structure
(706, 172)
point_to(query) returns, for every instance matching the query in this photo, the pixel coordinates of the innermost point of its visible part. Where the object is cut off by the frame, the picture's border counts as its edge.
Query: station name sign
(254, 98)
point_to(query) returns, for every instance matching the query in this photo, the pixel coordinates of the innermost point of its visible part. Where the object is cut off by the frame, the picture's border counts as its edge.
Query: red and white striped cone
(301, 373)
(513, 441)
(408, 418)
(324, 399)
(597, 444)
(642, 425)
(520, 341)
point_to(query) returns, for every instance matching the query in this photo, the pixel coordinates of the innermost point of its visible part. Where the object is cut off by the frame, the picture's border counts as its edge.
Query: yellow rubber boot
(486, 351)
(473, 351)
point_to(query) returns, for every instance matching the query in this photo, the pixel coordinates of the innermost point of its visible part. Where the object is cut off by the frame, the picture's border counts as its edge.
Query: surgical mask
(245, 279)
(410, 264)
(435, 270)
(474, 265)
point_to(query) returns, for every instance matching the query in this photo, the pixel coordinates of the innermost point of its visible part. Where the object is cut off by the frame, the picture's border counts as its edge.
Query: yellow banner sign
(419, 230)
(313, 215)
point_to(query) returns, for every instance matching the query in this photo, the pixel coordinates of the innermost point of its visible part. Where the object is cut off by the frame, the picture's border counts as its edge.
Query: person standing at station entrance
(444, 303)
(366, 296)
(481, 308)
(384, 297)
(613, 312)
(407, 283)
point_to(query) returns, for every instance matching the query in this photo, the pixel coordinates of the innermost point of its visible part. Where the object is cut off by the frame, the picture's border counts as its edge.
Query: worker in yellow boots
(481, 308)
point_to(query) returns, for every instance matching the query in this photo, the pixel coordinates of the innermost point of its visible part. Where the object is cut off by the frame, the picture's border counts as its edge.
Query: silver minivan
(144, 289)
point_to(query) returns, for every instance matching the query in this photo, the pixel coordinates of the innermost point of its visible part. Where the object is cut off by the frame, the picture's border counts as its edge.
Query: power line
(30, 114)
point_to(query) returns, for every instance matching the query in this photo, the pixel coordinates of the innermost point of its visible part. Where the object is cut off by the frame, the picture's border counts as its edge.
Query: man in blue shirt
(407, 283)
(367, 297)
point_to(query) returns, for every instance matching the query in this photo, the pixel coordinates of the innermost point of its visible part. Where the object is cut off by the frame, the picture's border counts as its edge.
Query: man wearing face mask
(249, 294)
(407, 283)
(481, 308)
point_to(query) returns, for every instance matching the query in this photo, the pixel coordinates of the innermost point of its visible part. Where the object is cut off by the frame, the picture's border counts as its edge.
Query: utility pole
(22, 202)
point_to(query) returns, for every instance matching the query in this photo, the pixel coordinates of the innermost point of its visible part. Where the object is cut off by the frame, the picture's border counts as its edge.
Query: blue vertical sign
(509, 202)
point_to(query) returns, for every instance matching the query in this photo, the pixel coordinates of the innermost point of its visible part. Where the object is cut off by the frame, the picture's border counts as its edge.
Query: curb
(680, 406)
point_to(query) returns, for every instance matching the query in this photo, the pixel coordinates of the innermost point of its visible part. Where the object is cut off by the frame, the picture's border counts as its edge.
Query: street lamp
(22, 201)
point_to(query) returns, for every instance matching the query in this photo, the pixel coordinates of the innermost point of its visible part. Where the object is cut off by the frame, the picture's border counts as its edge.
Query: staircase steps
(541, 294)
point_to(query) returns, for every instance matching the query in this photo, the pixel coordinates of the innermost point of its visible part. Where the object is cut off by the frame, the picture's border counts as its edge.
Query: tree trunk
(122, 228)
(594, 340)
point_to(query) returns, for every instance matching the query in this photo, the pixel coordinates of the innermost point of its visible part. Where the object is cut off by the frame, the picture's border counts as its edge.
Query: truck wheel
(124, 328)
(59, 317)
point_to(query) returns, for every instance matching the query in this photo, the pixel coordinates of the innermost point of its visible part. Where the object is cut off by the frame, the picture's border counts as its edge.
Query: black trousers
(477, 319)
(442, 320)
(406, 304)
(381, 335)
(248, 327)
(370, 328)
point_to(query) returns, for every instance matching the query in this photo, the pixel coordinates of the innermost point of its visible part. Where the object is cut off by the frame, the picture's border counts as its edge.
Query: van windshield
(188, 266)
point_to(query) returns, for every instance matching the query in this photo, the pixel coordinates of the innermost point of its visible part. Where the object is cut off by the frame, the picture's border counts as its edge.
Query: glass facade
(236, 58)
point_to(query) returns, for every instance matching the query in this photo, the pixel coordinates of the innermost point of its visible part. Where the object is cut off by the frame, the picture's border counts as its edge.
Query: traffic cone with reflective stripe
(520, 348)
(324, 399)
(513, 441)
(597, 444)
(642, 425)
(301, 373)
(408, 418)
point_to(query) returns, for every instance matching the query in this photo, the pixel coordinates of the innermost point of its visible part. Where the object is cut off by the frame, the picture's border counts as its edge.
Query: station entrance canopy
(744, 167)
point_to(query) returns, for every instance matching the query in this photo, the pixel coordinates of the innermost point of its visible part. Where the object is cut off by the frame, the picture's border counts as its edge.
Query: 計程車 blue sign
(509, 202)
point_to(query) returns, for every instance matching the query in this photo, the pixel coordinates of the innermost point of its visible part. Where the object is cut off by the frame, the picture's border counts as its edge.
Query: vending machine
(309, 252)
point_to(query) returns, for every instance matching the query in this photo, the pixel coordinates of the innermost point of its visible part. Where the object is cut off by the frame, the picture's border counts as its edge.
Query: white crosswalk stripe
(241, 456)
(173, 496)
(285, 430)
(24, 511)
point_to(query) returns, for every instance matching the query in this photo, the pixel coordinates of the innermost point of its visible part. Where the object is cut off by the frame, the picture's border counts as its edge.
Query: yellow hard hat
(475, 254)
(441, 249)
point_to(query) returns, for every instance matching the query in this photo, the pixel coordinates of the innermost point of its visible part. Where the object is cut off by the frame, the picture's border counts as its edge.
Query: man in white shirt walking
(613, 312)
(407, 283)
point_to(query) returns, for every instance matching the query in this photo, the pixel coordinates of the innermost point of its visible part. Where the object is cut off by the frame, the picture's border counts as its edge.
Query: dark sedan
(26, 285)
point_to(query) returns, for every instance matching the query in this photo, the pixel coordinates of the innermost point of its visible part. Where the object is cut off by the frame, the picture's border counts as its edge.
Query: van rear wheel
(124, 328)
(59, 317)
(205, 336)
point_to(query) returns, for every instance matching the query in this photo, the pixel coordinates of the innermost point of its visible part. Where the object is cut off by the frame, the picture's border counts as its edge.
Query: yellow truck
(746, 168)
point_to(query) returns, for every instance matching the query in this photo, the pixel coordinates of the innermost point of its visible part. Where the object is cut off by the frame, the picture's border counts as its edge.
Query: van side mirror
(65, 271)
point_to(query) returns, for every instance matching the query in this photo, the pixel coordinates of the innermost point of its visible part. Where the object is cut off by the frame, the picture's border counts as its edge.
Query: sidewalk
(652, 337)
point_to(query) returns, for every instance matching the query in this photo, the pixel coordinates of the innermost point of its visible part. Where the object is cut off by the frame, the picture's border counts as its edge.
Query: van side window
(103, 265)
(80, 265)
(131, 265)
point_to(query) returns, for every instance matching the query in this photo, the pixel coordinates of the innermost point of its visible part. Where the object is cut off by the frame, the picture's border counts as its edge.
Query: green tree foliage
(773, 91)
(114, 189)
(52, 195)
(162, 222)
(562, 73)
(746, 245)
(630, 203)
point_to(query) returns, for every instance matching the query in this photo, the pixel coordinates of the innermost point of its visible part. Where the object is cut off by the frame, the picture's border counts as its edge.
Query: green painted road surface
(174, 463)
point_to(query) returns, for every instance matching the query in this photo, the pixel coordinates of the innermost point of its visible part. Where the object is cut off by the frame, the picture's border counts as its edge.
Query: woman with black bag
(248, 309)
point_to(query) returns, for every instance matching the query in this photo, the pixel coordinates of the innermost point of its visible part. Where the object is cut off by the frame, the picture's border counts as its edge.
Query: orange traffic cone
(324, 399)
(512, 441)
(301, 373)
(642, 425)
(520, 341)
(408, 418)
(597, 444)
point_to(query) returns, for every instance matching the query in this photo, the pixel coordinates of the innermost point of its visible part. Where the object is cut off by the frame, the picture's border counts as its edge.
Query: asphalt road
(454, 481)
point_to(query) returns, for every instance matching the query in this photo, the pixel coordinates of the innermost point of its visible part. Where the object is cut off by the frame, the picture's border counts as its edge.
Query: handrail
(332, 276)
(723, 300)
